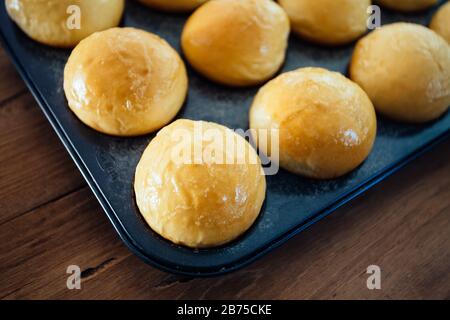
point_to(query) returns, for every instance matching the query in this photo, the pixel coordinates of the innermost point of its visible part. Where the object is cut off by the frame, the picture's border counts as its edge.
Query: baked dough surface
(441, 22)
(201, 204)
(237, 42)
(326, 123)
(46, 20)
(405, 70)
(328, 22)
(125, 82)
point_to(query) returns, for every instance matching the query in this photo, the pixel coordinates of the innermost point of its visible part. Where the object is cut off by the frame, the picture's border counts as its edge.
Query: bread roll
(236, 42)
(407, 5)
(46, 21)
(405, 70)
(328, 22)
(125, 82)
(326, 123)
(173, 5)
(201, 203)
(441, 22)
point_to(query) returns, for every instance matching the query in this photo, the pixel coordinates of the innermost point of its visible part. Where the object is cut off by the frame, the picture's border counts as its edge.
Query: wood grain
(10, 85)
(49, 220)
(34, 166)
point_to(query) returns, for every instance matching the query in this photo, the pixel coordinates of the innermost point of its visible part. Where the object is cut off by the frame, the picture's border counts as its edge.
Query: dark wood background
(49, 219)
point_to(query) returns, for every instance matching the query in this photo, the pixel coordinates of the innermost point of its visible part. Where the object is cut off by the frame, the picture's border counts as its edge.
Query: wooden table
(49, 219)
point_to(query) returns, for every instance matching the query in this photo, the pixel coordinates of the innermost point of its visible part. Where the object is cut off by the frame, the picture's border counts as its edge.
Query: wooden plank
(402, 225)
(36, 248)
(10, 85)
(34, 166)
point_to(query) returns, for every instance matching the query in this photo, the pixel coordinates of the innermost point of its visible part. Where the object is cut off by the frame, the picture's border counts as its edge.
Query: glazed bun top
(407, 5)
(441, 22)
(328, 22)
(326, 122)
(173, 5)
(125, 82)
(199, 201)
(236, 42)
(47, 21)
(405, 70)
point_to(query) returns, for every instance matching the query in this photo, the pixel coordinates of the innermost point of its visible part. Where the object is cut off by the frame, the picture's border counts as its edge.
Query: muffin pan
(292, 204)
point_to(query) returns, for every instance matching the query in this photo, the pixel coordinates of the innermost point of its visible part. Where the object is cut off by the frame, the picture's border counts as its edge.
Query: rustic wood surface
(50, 219)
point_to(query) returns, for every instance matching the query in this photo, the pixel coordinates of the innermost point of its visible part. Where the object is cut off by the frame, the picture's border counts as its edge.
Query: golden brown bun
(173, 5)
(326, 123)
(328, 22)
(441, 22)
(125, 82)
(405, 70)
(407, 5)
(46, 20)
(203, 204)
(236, 42)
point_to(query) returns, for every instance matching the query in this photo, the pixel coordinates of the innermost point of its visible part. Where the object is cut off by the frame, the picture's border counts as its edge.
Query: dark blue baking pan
(293, 203)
